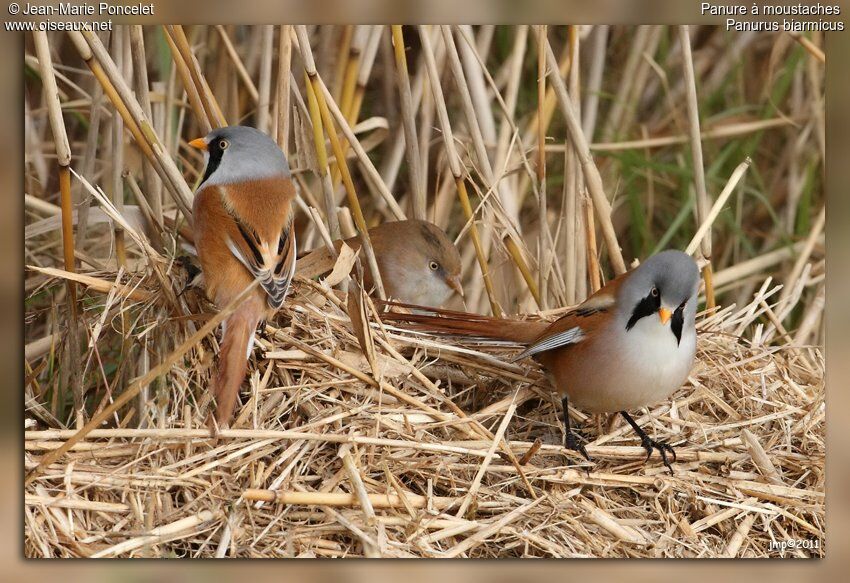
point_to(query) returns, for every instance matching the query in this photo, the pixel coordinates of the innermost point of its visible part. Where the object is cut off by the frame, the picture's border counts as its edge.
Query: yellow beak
(664, 314)
(454, 283)
(199, 143)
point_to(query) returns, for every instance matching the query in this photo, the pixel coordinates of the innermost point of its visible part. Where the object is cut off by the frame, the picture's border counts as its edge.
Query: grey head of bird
(664, 286)
(238, 154)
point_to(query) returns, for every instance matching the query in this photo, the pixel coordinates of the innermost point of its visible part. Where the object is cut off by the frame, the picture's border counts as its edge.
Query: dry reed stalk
(284, 69)
(89, 159)
(476, 482)
(153, 185)
(517, 257)
(591, 173)
(462, 84)
(203, 118)
(455, 165)
(544, 250)
(352, 68)
(208, 100)
(343, 50)
(721, 131)
(702, 198)
(705, 226)
(366, 164)
(353, 202)
(322, 156)
(63, 159)
(408, 119)
(620, 102)
(237, 62)
(590, 108)
(63, 150)
(810, 47)
(342, 499)
(264, 87)
(370, 51)
(805, 254)
(119, 40)
(167, 532)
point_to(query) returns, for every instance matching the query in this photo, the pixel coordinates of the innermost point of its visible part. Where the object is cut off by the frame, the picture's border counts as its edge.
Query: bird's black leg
(649, 444)
(570, 440)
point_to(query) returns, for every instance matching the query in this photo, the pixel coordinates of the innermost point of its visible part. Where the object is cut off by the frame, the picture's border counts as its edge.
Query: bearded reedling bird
(418, 262)
(243, 231)
(629, 345)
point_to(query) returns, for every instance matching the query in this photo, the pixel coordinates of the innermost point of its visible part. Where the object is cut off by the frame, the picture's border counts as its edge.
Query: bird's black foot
(570, 439)
(573, 443)
(650, 444)
(662, 446)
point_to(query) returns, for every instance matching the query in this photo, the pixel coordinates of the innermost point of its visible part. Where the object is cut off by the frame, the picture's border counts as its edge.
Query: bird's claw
(663, 447)
(571, 442)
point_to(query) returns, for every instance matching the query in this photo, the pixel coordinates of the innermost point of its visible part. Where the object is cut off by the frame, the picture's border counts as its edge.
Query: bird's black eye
(434, 266)
(654, 292)
(222, 144)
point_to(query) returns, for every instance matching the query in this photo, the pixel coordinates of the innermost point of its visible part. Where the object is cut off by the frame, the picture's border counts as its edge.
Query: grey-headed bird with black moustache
(629, 345)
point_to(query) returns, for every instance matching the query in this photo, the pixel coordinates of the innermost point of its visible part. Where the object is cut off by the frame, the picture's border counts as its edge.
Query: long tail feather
(233, 360)
(454, 323)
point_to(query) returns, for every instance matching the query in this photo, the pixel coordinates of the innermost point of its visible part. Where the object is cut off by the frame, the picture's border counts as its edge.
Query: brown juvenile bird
(242, 231)
(417, 261)
(629, 345)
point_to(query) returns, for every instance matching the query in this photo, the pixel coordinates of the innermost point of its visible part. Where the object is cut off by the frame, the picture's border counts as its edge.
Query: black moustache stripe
(677, 321)
(214, 161)
(646, 307)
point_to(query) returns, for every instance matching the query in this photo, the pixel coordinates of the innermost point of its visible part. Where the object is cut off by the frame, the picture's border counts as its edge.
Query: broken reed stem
(380, 501)
(137, 385)
(408, 120)
(591, 172)
(353, 202)
(455, 165)
(727, 191)
(810, 47)
(702, 201)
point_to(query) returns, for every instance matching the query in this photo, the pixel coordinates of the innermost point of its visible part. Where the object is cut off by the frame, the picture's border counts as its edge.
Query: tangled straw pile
(553, 155)
(446, 451)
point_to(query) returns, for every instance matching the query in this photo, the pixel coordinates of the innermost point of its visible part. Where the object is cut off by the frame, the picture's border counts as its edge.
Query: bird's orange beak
(454, 283)
(664, 314)
(199, 143)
